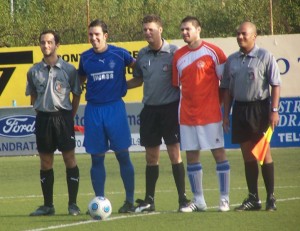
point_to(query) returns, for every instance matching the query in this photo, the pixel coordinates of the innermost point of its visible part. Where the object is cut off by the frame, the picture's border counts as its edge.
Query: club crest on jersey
(58, 86)
(251, 76)
(200, 64)
(112, 64)
(165, 67)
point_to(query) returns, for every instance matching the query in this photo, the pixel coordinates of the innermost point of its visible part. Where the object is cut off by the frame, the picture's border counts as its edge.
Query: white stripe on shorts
(205, 137)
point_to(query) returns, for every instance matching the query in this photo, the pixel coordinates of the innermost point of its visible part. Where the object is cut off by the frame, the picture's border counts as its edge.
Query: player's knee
(97, 160)
(123, 157)
(175, 159)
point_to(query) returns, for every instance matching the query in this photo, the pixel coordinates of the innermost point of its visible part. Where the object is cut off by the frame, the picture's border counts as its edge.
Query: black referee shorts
(54, 130)
(157, 122)
(249, 120)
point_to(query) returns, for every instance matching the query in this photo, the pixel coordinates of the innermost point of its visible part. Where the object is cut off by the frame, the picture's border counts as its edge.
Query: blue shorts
(106, 127)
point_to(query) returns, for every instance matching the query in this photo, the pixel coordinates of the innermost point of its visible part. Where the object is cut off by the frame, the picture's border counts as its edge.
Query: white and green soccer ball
(100, 208)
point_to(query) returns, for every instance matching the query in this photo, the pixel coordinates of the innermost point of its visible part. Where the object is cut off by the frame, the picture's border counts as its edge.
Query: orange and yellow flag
(260, 149)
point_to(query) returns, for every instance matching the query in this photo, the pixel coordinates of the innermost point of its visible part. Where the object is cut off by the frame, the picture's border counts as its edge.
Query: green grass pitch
(20, 194)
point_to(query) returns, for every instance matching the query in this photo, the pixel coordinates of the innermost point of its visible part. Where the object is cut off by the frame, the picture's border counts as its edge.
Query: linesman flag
(260, 149)
(78, 128)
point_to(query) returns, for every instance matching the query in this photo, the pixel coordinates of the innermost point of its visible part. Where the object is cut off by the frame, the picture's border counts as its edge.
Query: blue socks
(127, 174)
(98, 174)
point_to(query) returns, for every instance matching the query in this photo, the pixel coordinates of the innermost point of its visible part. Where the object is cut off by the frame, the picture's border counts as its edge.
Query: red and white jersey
(198, 72)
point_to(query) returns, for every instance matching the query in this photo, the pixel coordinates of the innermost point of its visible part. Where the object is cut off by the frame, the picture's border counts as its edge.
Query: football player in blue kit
(105, 117)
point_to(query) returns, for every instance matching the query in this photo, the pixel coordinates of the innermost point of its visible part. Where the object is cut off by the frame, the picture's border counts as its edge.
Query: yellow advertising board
(15, 62)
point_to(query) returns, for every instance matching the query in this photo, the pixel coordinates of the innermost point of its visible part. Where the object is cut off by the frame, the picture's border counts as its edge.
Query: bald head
(246, 36)
(250, 26)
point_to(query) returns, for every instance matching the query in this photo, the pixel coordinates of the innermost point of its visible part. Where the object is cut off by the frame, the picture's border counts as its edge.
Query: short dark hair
(152, 18)
(98, 22)
(55, 35)
(194, 20)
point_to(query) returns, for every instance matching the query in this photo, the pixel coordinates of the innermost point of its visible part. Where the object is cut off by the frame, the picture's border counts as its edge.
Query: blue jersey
(106, 81)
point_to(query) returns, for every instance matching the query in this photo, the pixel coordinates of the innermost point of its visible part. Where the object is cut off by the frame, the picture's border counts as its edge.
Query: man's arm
(134, 82)
(227, 101)
(82, 78)
(274, 116)
(132, 64)
(75, 103)
(32, 99)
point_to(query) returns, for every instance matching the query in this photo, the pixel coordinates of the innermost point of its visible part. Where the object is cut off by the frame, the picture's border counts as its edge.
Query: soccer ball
(100, 208)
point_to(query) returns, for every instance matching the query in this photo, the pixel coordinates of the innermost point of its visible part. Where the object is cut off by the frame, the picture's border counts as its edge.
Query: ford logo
(17, 126)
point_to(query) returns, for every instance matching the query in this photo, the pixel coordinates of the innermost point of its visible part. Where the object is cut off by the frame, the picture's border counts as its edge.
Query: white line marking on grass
(116, 193)
(132, 216)
(91, 221)
(289, 199)
(277, 200)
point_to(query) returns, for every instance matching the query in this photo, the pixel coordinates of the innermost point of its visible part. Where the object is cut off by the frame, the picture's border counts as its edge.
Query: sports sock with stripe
(47, 182)
(268, 176)
(73, 183)
(152, 174)
(223, 173)
(179, 177)
(195, 176)
(251, 173)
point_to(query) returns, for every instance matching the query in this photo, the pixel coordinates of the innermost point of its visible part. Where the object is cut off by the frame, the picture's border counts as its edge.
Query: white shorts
(205, 137)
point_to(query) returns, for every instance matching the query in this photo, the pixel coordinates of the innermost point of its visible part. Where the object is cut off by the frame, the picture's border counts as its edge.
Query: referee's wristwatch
(274, 109)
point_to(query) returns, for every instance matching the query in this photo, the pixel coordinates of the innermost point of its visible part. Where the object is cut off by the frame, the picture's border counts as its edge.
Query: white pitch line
(277, 200)
(132, 216)
(90, 221)
(116, 193)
